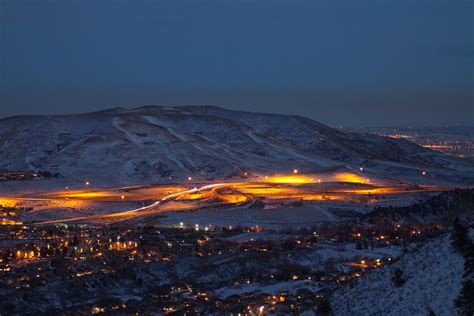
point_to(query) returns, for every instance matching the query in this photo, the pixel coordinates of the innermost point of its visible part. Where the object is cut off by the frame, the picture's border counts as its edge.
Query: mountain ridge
(153, 143)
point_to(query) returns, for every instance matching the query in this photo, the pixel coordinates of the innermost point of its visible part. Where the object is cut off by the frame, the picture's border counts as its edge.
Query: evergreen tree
(460, 239)
(398, 278)
(75, 241)
(465, 301)
(324, 307)
(469, 260)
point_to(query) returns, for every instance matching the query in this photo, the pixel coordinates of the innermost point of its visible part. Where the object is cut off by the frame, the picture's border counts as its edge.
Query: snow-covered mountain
(153, 143)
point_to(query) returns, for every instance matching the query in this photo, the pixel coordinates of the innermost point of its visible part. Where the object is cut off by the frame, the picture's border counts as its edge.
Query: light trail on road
(140, 209)
(275, 190)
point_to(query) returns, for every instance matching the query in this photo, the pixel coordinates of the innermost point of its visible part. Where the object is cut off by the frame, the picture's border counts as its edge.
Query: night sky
(341, 62)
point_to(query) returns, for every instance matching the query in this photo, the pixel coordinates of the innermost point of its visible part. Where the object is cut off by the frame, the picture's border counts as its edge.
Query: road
(223, 195)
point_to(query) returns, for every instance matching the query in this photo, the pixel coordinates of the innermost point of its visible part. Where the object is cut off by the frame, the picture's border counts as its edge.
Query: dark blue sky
(336, 61)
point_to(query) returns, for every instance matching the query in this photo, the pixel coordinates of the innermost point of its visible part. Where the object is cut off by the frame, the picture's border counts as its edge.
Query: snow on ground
(270, 218)
(338, 252)
(150, 144)
(45, 210)
(259, 288)
(433, 280)
(245, 237)
(318, 255)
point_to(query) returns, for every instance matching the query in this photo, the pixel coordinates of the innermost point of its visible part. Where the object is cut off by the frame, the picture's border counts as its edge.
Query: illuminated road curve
(144, 208)
(168, 197)
(340, 187)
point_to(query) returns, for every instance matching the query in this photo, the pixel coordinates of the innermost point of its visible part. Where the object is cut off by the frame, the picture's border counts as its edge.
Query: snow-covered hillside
(154, 143)
(433, 280)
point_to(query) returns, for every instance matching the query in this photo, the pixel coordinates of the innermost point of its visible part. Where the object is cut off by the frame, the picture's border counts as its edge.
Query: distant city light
(88, 183)
(190, 178)
(295, 171)
(122, 197)
(361, 169)
(424, 173)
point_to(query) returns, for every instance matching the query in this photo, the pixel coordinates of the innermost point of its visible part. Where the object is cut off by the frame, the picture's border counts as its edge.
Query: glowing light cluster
(289, 179)
(350, 177)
